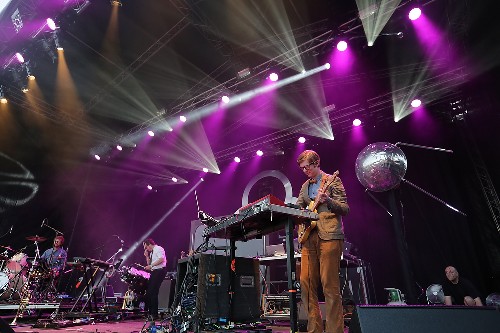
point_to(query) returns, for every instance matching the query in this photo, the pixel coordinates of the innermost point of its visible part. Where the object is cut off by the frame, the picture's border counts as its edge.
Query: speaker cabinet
(212, 286)
(166, 294)
(428, 319)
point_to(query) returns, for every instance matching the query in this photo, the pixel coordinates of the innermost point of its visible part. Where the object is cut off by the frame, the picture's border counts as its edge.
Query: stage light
(116, 3)
(56, 42)
(149, 187)
(20, 57)
(25, 89)
(51, 24)
(174, 179)
(416, 103)
(237, 159)
(3, 100)
(120, 148)
(414, 14)
(205, 170)
(259, 153)
(97, 157)
(273, 77)
(183, 119)
(302, 139)
(342, 46)
(225, 99)
(327, 65)
(151, 133)
(356, 122)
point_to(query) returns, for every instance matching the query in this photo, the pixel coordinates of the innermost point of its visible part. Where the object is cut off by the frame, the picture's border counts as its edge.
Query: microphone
(79, 282)
(121, 240)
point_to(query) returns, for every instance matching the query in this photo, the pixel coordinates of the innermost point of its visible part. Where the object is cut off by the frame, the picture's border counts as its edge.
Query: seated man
(458, 290)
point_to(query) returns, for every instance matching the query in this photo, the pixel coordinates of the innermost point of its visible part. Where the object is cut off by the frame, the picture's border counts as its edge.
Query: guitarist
(322, 249)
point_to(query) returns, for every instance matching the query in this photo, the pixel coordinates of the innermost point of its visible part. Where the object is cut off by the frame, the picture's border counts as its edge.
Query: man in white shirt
(156, 264)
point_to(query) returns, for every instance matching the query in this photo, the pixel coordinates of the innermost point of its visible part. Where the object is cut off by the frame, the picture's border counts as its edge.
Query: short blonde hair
(310, 156)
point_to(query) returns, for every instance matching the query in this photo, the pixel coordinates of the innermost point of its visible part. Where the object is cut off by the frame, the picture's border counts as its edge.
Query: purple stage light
(416, 103)
(259, 152)
(342, 46)
(302, 139)
(151, 133)
(414, 14)
(205, 170)
(327, 65)
(20, 57)
(174, 179)
(183, 119)
(97, 157)
(149, 187)
(51, 24)
(237, 159)
(356, 122)
(273, 77)
(119, 147)
(225, 99)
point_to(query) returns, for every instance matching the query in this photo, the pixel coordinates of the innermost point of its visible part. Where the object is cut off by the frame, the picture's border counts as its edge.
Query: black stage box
(212, 286)
(428, 319)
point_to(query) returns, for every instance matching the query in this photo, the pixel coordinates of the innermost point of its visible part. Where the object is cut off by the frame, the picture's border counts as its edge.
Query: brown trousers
(321, 260)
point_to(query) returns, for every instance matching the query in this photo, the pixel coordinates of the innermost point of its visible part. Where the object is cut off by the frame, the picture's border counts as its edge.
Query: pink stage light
(149, 187)
(416, 103)
(356, 122)
(273, 77)
(327, 65)
(119, 147)
(97, 157)
(20, 57)
(302, 139)
(205, 170)
(225, 99)
(414, 14)
(151, 133)
(237, 159)
(183, 119)
(51, 24)
(174, 179)
(259, 152)
(342, 46)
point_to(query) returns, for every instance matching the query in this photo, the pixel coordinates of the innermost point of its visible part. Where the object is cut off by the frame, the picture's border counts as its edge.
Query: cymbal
(36, 238)
(7, 248)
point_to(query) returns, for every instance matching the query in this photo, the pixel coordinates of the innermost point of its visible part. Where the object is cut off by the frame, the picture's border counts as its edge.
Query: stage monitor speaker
(428, 319)
(246, 300)
(166, 294)
(5, 327)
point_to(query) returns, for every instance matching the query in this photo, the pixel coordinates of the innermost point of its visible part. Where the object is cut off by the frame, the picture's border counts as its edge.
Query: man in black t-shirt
(458, 290)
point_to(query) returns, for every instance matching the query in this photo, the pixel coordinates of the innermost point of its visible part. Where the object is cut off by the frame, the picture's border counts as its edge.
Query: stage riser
(428, 319)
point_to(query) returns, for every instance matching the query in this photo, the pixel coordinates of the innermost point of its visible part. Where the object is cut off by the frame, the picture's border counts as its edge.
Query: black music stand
(90, 287)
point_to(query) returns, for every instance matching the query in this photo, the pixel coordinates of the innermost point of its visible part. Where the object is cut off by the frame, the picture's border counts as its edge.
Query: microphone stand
(108, 275)
(54, 229)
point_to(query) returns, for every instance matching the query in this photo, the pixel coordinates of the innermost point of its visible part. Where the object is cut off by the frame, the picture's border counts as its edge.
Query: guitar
(306, 227)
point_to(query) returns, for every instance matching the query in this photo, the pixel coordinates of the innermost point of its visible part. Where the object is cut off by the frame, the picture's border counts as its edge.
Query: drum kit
(17, 268)
(136, 279)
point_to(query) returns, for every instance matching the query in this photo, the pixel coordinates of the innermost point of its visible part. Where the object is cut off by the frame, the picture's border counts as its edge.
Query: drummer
(55, 257)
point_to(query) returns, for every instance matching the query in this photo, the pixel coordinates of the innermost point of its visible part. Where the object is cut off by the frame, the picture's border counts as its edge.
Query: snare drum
(17, 263)
(135, 278)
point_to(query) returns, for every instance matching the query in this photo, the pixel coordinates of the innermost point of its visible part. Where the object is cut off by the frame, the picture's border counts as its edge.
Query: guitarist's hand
(322, 197)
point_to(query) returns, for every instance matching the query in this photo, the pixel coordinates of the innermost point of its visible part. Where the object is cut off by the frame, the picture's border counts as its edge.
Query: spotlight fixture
(302, 139)
(174, 179)
(356, 122)
(225, 99)
(416, 103)
(327, 65)
(29, 75)
(259, 152)
(205, 170)
(151, 133)
(120, 148)
(342, 46)
(149, 187)
(273, 77)
(57, 43)
(25, 89)
(3, 100)
(414, 14)
(20, 57)
(51, 24)
(183, 119)
(116, 3)
(97, 157)
(237, 159)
